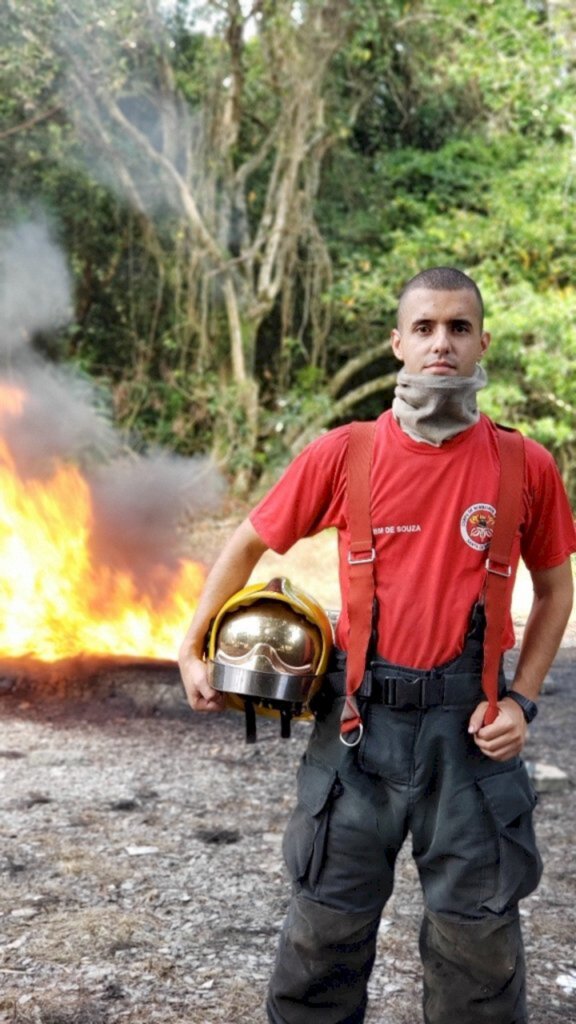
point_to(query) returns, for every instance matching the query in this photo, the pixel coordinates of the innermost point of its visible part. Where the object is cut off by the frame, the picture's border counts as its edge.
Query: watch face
(528, 706)
(530, 710)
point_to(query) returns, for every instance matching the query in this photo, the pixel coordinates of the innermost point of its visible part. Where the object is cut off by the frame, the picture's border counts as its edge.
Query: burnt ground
(142, 878)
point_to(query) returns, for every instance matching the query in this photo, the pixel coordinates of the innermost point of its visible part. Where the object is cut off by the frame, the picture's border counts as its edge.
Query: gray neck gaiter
(432, 409)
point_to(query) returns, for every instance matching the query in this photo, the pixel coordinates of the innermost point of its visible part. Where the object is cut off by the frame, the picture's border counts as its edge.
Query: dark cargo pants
(414, 771)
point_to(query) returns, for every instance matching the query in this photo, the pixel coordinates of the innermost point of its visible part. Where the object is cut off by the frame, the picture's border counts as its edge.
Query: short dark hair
(443, 279)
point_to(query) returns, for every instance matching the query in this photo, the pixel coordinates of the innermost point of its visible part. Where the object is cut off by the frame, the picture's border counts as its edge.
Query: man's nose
(441, 340)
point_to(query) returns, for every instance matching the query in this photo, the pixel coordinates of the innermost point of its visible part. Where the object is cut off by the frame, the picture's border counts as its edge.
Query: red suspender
(497, 593)
(361, 562)
(361, 558)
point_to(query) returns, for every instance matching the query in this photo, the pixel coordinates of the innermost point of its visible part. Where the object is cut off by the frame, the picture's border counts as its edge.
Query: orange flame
(54, 602)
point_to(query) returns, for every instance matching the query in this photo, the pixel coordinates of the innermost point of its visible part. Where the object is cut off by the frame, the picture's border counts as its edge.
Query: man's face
(439, 332)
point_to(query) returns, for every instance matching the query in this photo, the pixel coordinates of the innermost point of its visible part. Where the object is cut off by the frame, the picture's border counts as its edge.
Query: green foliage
(534, 365)
(306, 401)
(509, 225)
(511, 56)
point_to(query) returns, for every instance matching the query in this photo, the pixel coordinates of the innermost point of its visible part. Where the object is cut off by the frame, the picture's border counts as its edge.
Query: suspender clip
(501, 570)
(361, 558)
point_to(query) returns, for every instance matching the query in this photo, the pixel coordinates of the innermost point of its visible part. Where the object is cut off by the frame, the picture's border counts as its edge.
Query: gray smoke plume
(35, 286)
(133, 126)
(138, 508)
(60, 419)
(139, 503)
(139, 136)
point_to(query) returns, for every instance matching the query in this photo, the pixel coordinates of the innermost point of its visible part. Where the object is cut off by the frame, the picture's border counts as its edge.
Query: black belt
(405, 692)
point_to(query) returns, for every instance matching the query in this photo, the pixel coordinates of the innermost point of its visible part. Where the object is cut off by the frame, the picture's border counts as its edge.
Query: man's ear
(396, 343)
(485, 340)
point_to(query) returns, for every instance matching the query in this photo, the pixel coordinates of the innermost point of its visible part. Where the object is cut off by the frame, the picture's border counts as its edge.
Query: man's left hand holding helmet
(229, 574)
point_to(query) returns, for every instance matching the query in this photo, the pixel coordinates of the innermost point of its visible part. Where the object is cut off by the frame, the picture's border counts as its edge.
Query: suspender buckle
(498, 568)
(357, 734)
(362, 558)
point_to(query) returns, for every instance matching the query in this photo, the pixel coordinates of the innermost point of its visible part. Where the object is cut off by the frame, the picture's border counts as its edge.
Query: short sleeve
(549, 537)
(308, 497)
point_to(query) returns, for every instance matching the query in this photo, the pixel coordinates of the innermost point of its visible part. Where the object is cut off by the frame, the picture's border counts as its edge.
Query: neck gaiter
(432, 409)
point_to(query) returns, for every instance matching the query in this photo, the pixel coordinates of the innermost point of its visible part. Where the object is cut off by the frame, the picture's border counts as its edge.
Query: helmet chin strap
(250, 720)
(285, 712)
(432, 408)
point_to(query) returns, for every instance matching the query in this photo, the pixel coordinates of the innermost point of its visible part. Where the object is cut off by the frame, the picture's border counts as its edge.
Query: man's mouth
(440, 366)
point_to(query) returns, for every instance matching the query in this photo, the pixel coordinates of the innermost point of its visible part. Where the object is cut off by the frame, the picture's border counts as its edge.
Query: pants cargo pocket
(305, 836)
(509, 799)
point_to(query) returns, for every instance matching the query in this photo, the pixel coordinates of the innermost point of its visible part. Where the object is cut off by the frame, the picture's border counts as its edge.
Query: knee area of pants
(313, 925)
(490, 948)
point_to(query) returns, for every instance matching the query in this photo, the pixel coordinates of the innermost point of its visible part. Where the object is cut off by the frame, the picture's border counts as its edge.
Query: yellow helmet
(269, 646)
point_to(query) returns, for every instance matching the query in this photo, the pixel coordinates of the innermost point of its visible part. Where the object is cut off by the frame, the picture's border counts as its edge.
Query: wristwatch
(529, 708)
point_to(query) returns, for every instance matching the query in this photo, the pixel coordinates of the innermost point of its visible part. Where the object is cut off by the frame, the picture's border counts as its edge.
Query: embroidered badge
(477, 526)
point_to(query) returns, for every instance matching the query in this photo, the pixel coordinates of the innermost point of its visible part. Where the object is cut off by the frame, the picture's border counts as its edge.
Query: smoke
(135, 129)
(35, 286)
(152, 127)
(60, 419)
(138, 508)
(139, 503)
(140, 137)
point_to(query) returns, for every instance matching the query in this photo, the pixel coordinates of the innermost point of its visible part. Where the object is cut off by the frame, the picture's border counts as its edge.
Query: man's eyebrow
(455, 320)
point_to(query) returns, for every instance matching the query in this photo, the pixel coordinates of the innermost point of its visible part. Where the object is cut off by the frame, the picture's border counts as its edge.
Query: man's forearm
(228, 574)
(551, 607)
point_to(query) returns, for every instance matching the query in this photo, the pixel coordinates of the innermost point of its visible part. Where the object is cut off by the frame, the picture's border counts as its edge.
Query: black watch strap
(528, 706)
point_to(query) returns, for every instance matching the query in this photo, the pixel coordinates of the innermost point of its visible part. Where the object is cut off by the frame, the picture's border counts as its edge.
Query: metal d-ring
(360, 728)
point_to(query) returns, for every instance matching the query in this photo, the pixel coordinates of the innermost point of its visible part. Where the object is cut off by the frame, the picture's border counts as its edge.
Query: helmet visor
(269, 637)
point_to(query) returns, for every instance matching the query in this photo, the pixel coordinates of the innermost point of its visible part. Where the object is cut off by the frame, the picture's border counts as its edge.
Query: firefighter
(425, 765)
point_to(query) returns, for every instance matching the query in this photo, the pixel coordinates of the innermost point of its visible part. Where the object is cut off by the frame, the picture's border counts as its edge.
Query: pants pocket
(509, 800)
(305, 835)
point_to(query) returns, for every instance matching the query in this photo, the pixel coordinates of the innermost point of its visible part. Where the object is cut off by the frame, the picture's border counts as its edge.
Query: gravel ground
(142, 873)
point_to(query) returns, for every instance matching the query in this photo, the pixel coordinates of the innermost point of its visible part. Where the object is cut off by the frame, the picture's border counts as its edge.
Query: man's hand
(228, 574)
(551, 607)
(201, 695)
(506, 736)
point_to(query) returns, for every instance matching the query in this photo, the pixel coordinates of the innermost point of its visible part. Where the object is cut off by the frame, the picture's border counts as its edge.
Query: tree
(224, 190)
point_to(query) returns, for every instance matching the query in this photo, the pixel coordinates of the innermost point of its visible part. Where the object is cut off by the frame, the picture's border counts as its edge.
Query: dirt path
(142, 873)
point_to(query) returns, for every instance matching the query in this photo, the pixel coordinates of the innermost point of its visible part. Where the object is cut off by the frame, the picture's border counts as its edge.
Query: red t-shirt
(432, 513)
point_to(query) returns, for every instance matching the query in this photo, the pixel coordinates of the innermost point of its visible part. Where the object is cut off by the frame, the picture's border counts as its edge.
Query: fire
(55, 603)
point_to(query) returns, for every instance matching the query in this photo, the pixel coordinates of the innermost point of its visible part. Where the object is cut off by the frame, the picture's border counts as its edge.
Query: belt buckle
(407, 693)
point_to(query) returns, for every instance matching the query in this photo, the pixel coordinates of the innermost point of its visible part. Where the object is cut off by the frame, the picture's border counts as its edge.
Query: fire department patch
(477, 526)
